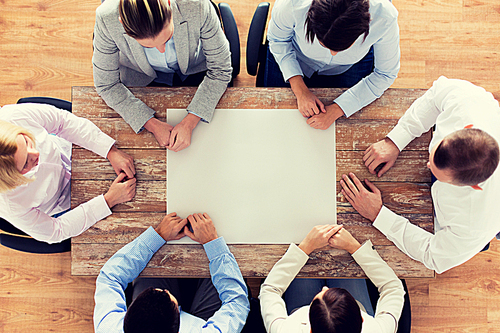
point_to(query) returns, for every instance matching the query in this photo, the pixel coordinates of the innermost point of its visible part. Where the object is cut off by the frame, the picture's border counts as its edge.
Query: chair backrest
(404, 324)
(232, 35)
(256, 44)
(16, 239)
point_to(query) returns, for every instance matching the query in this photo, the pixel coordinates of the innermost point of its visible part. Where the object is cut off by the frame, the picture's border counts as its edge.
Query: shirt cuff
(142, 128)
(152, 239)
(197, 115)
(400, 137)
(297, 252)
(348, 103)
(385, 220)
(215, 248)
(104, 143)
(366, 247)
(100, 207)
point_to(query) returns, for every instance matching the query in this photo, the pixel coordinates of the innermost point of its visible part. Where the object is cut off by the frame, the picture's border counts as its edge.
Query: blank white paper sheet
(263, 176)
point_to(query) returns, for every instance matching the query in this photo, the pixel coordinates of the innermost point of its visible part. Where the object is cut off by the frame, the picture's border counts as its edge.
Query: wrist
(109, 200)
(150, 125)
(335, 109)
(305, 248)
(111, 151)
(353, 247)
(190, 121)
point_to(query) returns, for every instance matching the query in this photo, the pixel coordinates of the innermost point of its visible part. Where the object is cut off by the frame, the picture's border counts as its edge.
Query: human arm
(106, 70)
(391, 300)
(226, 276)
(121, 269)
(215, 47)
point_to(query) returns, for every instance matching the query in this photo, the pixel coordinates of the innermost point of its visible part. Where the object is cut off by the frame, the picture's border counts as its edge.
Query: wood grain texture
(191, 261)
(63, 59)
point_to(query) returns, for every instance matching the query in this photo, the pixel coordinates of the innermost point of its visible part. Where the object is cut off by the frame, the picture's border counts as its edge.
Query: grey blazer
(119, 60)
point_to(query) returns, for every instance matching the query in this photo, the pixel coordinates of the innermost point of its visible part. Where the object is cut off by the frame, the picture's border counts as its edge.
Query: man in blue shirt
(333, 43)
(157, 309)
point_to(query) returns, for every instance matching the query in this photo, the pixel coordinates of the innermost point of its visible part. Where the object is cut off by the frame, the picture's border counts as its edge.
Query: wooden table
(405, 188)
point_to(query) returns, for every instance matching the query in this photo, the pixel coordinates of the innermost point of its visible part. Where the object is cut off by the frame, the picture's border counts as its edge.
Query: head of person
(464, 158)
(334, 310)
(18, 155)
(153, 311)
(147, 21)
(337, 23)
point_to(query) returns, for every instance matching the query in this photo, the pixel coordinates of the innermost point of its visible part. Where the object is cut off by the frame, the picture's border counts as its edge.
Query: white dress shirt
(465, 219)
(296, 56)
(273, 307)
(29, 207)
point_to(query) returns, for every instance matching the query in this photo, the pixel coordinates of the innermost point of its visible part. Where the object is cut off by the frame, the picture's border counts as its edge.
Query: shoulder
(107, 8)
(383, 10)
(22, 114)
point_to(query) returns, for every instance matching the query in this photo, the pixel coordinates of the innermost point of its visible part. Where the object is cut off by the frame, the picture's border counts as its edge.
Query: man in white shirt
(333, 43)
(330, 309)
(464, 156)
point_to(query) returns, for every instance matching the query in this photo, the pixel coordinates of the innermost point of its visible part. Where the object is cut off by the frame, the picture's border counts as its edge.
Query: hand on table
(384, 151)
(203, 228)
(323, 121)
(180, 138)
(171, 227)
(120, 191)
(160, 130)
(318, 237)
(343, 240)
(121, 162)
(366, 203)
(308, 104)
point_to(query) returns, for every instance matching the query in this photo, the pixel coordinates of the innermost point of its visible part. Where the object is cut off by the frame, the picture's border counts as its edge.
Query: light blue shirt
(126, 264)
(295, 56)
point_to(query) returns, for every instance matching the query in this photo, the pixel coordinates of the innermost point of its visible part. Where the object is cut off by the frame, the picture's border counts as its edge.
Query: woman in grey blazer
(166, 42)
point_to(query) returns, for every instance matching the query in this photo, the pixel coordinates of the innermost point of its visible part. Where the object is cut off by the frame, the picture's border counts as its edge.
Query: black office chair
(257, 44)
(232, 35)
(404, 324)
(14, 238)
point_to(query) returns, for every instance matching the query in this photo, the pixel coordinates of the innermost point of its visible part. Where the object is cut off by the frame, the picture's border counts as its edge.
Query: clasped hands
(176, 137)
(173, 227)
(333, 235)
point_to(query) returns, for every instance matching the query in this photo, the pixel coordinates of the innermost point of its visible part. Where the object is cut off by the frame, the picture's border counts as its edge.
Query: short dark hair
(336, 311)
(153, 311)
(143, 19)
(337, 23)
(470, 154)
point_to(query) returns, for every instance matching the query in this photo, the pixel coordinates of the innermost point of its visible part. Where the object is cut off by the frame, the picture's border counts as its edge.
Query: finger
(173, 138)
(310, 121)
(121, 176)
(189, 233)
(320, 105)
(172, 214)
(315, 108)
(132, 166)
(357, 182)
(333, 231)
(350, 184)
(302, 112)
(181, 223)
(349, 197)
(205, 215)
(386, 167)
(368, 150)
(372, 187)
(180, 235)
(191, 220)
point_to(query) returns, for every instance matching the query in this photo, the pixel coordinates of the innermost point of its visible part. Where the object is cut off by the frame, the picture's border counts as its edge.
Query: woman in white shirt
(331, 309)
(35, 171)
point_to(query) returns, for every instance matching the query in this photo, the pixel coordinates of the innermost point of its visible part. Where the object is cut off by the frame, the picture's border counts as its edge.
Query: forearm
(227, 279)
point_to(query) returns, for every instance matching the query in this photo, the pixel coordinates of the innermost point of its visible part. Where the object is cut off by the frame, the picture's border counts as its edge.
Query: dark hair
(337, 311)
(144, 18)
(153, 311)
(470, 154)
(337, 23)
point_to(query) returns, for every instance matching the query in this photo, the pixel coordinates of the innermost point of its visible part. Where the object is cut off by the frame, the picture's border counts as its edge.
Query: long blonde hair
(10, 177)
(143, 19)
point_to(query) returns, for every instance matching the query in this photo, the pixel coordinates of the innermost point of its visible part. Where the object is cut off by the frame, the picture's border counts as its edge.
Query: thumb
(321, 105)
(120, 178)
(189, 233)
(386, 167)
(372, 187)
(334, 230)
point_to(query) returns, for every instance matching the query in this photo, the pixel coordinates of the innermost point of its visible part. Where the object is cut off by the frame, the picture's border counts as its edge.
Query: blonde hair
(10, 177)
(143, 19)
